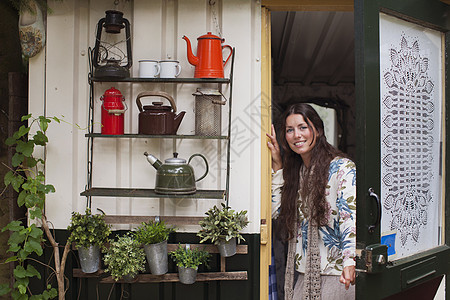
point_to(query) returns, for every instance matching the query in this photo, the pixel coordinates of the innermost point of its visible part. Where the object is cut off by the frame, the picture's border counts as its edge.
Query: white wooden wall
(59, 87)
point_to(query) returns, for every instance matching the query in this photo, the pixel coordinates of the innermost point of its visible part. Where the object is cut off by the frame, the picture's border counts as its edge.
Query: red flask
(113, 109)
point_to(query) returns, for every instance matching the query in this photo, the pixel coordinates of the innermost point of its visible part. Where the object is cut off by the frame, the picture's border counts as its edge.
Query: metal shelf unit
(91, 191)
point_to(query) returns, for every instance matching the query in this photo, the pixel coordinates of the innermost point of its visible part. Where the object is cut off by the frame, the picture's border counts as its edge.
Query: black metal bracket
(378, 220)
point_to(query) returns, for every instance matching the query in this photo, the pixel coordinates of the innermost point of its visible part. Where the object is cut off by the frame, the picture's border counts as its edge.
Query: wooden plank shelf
(154, 136)
(150, 193)
(168, 277)
(173, 277)
(240, 249)
(172, 220)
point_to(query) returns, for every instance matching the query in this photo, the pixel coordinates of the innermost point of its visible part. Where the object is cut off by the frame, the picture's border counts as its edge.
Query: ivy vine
(27, 177)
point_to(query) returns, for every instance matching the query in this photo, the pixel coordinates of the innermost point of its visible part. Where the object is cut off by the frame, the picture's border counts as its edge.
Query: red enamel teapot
(209, 60)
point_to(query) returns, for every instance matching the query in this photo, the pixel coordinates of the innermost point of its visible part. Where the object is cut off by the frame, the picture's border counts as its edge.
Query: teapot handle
(206, 164)
(155, 93)
(231, 52)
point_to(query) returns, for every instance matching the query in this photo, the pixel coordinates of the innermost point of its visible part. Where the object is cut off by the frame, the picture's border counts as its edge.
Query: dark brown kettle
(158, 118)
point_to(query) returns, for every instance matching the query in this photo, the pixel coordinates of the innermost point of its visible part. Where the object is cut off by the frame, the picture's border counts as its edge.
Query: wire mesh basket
(208, 112)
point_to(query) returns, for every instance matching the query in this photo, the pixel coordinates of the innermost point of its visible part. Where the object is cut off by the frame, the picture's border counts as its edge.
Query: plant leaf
(16, 182)
(25, 147)
(40, 138)
(18, 296)
(35, 232)
(20, 272)
(10, 141)
(26, 117)
(49, 188)
(23, 130)
(21, 198)
(4, 289)
(8, 178)
(13, 226)
(31, 162)
(32, 272)
(43, 123)
(17, 159)
(10, 259)
(33, 246)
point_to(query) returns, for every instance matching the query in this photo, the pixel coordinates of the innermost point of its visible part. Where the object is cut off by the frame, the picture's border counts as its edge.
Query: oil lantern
(112, 52)
(113, 109)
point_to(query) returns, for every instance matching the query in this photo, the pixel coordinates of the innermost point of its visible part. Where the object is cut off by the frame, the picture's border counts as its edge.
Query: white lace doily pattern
(407, 120)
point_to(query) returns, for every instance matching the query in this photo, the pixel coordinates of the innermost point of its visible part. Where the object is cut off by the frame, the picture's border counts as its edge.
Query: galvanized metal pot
(89, 258)
(227, 249)
(157, 258)
(187, 275)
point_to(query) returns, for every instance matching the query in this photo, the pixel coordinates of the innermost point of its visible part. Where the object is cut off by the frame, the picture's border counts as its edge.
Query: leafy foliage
(27, 178)
(88, 229)
(222, 224)
(190, 258)
(124, 257)
(152, 232)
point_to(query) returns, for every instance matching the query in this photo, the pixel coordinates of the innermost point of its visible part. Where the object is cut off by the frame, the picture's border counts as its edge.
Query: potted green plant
(89, 233)
(188, 260)
(223, 226)
(124, 258)
(154, 235)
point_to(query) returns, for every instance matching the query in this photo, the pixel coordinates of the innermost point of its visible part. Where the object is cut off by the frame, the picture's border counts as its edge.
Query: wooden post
(18, 106)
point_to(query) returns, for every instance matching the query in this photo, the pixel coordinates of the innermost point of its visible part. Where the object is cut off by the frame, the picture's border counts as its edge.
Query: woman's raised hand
(274, 148)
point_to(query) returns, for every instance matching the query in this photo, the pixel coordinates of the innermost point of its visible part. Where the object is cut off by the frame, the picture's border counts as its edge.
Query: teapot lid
(157, 106)
(175, 160)
(210, 36)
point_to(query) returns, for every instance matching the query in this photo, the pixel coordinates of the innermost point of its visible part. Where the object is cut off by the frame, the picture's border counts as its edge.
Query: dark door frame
(416, 269)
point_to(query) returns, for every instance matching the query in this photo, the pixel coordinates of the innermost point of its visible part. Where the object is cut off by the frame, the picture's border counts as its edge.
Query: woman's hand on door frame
(274, 148)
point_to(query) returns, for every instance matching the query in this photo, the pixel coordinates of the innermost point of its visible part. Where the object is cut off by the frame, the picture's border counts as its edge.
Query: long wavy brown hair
(314, 183)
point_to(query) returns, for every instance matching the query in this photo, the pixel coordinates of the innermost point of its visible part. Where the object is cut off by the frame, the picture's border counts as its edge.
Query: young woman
(314, 198)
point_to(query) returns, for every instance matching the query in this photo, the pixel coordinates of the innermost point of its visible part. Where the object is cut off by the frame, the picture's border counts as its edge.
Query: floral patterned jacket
(337, 239)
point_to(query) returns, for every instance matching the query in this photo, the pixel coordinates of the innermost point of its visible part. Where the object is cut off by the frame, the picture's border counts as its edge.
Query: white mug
(169, 68)
(149, 68)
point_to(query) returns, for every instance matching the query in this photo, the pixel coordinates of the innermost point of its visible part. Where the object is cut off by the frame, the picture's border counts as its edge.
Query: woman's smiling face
(300, 136)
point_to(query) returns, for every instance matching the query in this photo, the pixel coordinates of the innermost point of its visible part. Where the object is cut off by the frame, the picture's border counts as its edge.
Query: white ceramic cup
(169, 68)
(149, 68)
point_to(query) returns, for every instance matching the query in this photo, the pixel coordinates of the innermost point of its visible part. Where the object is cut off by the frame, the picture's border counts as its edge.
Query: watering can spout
(193, 60)
(155, 162)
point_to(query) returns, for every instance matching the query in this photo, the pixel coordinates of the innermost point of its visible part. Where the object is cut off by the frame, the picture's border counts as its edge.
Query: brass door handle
(264, 230)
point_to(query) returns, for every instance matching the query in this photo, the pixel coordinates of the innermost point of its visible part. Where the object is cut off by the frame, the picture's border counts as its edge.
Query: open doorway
(308, 61)
(313, 61)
